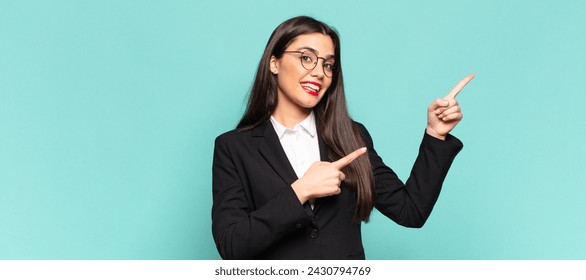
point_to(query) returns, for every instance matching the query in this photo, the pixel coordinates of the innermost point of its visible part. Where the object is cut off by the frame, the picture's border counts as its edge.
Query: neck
(290, 118)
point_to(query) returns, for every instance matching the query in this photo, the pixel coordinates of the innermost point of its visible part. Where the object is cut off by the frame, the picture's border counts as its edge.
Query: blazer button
(298, 225)
(314, 233)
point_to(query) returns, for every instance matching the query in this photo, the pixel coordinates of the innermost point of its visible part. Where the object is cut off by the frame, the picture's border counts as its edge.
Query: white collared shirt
(300, 143)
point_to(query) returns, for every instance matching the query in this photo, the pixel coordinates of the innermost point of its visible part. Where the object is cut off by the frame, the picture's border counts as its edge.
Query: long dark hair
(334, 125)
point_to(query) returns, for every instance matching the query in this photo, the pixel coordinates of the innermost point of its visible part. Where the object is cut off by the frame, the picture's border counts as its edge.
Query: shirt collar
(308, 124)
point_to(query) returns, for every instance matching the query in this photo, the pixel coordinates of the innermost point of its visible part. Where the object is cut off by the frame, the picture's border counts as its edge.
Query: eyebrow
(315, 51)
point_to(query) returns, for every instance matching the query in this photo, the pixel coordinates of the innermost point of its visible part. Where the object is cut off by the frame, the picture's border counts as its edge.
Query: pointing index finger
(341, 163)
(459, 87)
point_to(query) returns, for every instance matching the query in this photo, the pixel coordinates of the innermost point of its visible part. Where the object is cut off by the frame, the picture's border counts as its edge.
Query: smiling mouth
(312, 88)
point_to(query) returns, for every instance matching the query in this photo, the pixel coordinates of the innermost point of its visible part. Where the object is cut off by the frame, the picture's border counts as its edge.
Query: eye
(329, 66)
(306, 58)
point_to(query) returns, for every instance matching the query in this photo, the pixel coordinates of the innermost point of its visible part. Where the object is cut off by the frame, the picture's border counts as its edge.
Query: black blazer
(256, 214)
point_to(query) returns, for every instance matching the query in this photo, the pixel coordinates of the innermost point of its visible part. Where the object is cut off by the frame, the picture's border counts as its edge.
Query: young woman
(297, 176)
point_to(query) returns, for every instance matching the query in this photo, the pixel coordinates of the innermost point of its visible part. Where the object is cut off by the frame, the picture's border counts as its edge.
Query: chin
(308, 106)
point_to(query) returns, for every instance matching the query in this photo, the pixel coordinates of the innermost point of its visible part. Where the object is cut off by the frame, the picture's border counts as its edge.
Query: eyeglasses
(309, 60)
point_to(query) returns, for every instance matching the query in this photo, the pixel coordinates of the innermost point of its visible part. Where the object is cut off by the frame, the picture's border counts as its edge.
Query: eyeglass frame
(334, 68)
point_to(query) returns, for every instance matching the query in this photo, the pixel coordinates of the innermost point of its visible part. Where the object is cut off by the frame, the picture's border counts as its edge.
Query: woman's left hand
(444, 113)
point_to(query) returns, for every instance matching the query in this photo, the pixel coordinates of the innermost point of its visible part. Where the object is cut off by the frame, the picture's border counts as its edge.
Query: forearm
(411, 204)
(429, 172)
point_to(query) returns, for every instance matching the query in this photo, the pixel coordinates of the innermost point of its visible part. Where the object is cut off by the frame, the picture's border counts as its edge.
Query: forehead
(323, 44)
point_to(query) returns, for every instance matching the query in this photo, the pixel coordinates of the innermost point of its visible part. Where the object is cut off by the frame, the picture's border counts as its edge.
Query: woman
(298, 176)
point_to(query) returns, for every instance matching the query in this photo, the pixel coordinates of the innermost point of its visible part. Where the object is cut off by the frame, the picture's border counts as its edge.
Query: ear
(274, 65)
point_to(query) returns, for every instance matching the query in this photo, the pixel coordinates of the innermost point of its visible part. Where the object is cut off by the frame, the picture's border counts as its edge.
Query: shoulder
(241, 136)
(231, 143)
(229, 135)
(232, 137)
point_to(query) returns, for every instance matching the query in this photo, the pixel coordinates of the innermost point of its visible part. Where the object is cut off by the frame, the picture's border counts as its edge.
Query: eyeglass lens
(309, 61)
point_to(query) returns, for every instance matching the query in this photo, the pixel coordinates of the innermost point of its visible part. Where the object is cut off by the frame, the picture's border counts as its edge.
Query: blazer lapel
(270, 148)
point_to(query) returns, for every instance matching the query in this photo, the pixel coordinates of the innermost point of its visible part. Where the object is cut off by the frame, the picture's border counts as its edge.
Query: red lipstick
(310, 87)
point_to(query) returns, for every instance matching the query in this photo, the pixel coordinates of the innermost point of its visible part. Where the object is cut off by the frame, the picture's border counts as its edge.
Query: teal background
(109, 109)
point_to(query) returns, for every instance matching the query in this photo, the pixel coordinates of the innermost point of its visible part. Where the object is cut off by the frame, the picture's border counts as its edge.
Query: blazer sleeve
(410, 204)
(241, 231)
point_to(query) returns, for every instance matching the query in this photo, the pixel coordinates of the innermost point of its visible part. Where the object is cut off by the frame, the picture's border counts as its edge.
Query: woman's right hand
(323, 178)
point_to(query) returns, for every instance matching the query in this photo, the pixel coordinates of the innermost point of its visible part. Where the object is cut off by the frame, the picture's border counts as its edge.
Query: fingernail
(446, 103)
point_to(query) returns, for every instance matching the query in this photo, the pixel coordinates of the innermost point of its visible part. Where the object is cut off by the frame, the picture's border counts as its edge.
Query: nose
(318, 70)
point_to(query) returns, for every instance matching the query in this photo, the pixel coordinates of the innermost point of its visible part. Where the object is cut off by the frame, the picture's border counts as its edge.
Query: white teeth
(311, 86)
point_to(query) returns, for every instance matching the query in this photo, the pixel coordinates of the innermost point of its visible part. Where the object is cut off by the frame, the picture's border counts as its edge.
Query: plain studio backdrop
(109, 109)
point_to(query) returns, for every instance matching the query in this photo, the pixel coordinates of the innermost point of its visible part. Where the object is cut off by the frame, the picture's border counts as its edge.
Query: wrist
(434, 134)
(302, 195)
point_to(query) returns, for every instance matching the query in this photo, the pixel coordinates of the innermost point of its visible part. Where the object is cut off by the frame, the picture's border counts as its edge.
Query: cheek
(288, 77)
(286, 82)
